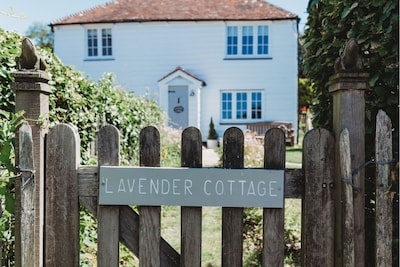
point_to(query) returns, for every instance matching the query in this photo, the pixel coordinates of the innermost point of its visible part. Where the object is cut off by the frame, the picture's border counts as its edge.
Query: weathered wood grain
(32, 96)
(273, 219)
(348, 208)
(318, 203)
(27, 193)
(383, 155)
(232, 218)
(191, 217)
(348, 90)
(150, 217)
(108, 216)
(62, 205)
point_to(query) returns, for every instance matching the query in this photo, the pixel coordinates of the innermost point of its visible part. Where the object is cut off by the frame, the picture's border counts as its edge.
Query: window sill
(248, 58)
(99, 59)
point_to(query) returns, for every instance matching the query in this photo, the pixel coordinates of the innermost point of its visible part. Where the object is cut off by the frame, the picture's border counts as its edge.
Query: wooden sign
(149, 186)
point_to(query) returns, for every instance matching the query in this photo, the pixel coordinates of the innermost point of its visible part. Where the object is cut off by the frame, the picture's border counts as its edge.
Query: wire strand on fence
(350, 180)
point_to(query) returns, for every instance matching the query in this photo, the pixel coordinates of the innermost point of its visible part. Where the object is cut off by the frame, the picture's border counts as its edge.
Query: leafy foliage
(330, 24)
(306, 93)
(77, 100)
(41, 34)
(375, 26)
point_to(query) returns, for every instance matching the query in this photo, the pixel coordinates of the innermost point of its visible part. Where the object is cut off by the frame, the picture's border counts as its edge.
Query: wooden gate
(68, 184)
(53, 183)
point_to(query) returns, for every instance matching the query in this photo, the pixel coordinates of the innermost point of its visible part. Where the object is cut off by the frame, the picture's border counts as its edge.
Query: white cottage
(232, 60)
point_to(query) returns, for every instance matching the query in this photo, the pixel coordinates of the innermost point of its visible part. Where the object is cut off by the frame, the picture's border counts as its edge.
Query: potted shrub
(212, 139)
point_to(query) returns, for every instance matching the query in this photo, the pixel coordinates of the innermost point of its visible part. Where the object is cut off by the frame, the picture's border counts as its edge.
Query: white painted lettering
(205, 187)
(261, 190)
(242, 182)
(131, 186)
(219, 191)
(251, 189)
(121, 187)
(188, 186)
(154, 186)
(271, 189)
(165, 186)
(141, 181)
(106, 188)
(230, 186)
(175, 186)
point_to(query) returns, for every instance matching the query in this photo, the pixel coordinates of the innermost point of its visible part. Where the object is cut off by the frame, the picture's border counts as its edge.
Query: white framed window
(241, 105)
(99, 43)
(244, 41)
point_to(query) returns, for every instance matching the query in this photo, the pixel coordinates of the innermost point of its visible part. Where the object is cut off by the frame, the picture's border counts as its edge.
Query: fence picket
(232, 218)
(273, 219)
(108, 216)
(348, 207)
(383, 156)
(27, 195)
(191, 217)
(62, 205)
(318, 203)
(150, 217)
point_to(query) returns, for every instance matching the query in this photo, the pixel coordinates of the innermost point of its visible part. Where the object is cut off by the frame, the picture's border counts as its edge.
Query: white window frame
(234, 106)
(241, 27)
(99, 35)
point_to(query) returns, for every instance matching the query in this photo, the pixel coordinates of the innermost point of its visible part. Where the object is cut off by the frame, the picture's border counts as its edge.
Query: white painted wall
(143, 53)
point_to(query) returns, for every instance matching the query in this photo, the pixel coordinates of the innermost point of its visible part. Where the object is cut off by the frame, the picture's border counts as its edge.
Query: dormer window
(99, 43)
(247, 41)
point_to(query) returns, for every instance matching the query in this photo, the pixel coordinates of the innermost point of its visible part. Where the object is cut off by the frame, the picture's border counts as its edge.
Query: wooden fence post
(232, 218)
(62, 199)
(27, 195)
(317, 239)
(273, 225)
(383, 206)
(150, 217)
(191, 217)
(108, 216)
(349, 112)
(348, 213)
(31, 95)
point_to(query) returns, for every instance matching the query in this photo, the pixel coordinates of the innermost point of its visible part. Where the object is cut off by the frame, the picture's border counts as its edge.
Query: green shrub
(212, 133)
(77, 100)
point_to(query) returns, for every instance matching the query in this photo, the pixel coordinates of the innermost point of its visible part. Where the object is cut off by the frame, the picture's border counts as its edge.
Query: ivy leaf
(346, 11)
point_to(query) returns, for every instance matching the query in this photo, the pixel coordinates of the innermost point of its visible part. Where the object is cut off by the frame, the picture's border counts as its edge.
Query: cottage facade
(232, 60)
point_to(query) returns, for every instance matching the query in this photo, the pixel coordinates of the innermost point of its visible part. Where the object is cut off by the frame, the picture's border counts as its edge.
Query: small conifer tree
(212, 133)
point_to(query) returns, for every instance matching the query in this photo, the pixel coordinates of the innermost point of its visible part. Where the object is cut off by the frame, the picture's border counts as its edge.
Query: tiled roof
(177, 10)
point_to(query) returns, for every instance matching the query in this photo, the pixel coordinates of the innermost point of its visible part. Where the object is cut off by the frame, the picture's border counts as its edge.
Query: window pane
(256, 105)
(247, 40)
(92, 43)
(226, 105)
(262, 40)
(232, 40)
(106, 42)
(241, 105)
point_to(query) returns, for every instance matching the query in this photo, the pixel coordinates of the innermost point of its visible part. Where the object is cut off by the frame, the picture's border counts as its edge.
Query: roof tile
(177, 10)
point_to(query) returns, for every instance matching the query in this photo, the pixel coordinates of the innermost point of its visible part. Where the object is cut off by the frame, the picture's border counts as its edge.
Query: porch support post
(32, 95)
(349, 112)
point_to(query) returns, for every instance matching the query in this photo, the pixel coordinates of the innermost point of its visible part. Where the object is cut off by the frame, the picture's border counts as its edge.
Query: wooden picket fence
(68, 183)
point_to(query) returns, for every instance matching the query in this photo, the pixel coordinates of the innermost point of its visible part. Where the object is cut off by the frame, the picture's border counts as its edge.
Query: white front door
(178, 111)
